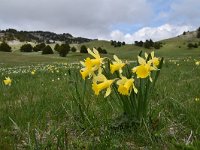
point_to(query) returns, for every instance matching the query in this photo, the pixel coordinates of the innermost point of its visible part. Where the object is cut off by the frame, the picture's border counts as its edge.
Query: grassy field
(38, 112)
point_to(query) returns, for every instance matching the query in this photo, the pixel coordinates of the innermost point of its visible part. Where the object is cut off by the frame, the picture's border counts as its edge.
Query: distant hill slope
(172, 46)
(39, 36)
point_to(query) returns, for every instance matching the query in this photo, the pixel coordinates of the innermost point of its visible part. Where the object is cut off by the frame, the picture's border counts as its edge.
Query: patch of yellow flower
(100, 82)
(126, 86)
(93, 68)
(116, 65)
(7, 81)
(33, 72)
(197, 63)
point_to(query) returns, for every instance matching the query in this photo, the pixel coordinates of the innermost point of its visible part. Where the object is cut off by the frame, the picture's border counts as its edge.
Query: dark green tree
(157, 45)
(83, 49)
(64, 50)
(39, 47)
(26, 48)
(5, 47)
(47, 50)
(190, 45)
(147, 44)
(195, 45)
(56, 47)
(73, 49)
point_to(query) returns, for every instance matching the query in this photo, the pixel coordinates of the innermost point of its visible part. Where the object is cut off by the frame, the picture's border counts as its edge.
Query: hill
(172, 47)
(39, 36)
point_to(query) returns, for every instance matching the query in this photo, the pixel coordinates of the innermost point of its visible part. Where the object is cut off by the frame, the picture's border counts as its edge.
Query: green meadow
(39, 111)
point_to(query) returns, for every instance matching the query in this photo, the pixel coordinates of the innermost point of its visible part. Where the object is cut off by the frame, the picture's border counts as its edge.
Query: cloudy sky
(124, 20)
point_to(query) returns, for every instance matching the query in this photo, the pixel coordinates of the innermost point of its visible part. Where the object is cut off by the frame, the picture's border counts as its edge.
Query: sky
(121, 20)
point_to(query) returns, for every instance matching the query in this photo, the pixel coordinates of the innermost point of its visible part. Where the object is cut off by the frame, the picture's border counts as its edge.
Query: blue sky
(125, 20)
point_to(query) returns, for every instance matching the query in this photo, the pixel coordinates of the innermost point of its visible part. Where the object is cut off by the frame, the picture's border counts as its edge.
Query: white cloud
(185, 12)
(89, 18)
(154, 33)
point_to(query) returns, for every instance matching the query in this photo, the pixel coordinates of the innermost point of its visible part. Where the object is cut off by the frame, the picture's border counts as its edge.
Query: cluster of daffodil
(93, 68)
(131, 85)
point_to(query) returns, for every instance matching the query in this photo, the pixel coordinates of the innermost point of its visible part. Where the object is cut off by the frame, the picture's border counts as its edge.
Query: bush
(157, 45)
(73, 49)
(39, 47)
(64, 50)
(26, 48)
(47, 50)
(56, 47)
(102, 51)
(5, 47)
(191, 45)
(83, 49)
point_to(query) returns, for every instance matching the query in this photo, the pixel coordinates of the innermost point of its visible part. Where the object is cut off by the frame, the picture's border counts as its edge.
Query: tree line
(117, 43)
(149, 44)
(40, 36)
(62, 49)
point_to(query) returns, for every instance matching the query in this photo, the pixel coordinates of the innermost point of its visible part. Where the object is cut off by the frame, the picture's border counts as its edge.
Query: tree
(47, 50)
(151, 43)
(119, 44)
(147, 44)
(64, 50)
(56, 47)
(140, 44)
(190, 45)
(198, 34)
(83, 49)
(195, 45)
(39, 47)
(26, 48)
(5, 47)
(184, 33)
(123, 43)
(73, 49)
(157, 45)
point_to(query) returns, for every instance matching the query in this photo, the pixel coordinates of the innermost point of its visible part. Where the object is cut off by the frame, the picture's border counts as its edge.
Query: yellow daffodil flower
(144, 69)
(154, 60)
(116, 65)
(104, 84)
(97, 61)
(7, 81)
(91, 65)
(126, 86)
(86, 72)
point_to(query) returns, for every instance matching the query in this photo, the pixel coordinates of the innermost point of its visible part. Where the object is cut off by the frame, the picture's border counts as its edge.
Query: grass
(37, 111)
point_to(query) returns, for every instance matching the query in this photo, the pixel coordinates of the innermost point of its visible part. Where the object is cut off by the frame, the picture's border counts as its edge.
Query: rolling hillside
(172, 47)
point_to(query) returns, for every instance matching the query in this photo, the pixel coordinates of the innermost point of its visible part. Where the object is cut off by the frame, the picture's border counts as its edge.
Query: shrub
(26, 48)
(56, 47)
(47, 50)
(39, 47)
(64, 50)
(5, 47)
(83, 49)
(102, 51)
(191, 45)
(73, 49)
(157, 45)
